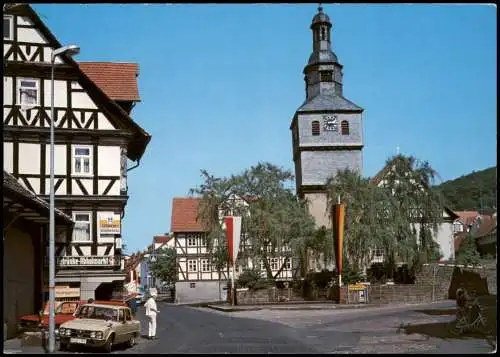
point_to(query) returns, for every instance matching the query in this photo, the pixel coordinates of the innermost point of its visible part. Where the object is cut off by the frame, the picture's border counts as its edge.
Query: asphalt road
(370, 330)
(407, 329)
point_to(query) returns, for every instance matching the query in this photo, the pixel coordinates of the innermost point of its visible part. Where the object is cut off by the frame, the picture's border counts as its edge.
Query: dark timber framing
(74, 126)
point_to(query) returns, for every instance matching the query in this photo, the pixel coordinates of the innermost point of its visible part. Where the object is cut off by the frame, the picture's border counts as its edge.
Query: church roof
(325, 102)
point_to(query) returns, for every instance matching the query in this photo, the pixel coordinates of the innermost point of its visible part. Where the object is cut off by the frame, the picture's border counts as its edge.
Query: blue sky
(220, 84)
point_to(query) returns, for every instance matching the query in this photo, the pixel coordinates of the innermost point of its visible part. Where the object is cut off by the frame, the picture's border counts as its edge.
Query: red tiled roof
(184, 214)
(488, 226)
(161, 239)
(467, 217)
(117, 79)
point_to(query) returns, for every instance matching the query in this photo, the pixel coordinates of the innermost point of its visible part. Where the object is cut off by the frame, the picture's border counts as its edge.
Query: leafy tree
(413, 204)
(467, 254)
(399, 216)
(365, 227)
(252, 279)
(165, 266)
(274, 222)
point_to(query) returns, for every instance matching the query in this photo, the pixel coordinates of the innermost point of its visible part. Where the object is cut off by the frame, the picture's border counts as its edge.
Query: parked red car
(65, 311)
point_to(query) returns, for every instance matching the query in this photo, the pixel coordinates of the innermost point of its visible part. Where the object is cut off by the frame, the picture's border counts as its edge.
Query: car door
(121, 329)
(129, 325)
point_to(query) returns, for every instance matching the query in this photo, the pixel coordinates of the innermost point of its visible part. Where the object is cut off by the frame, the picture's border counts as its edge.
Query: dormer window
(326, 76)
(344, 127)
(7, 28)
(315, 128)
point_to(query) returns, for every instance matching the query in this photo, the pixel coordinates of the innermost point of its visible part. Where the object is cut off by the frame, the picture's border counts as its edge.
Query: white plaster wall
(109, 161)
(88, 184)
(103, 122)
(35, 184)
(29, 158)
(61, 190)
(59, 158)
(82, 100)
(85, 250)
(7, 90)
(75, 85)
(444, 238)
(8, 157)
(21, 20)
(6, 49)
(61, 94)
(30, 35)
(18, 277)
(114, 190)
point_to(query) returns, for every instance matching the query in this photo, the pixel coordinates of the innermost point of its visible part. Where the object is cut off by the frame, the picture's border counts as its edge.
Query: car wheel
(108, 346)
(131, 341)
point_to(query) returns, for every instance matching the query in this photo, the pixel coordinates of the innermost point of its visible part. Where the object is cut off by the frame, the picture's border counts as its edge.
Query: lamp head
(69, 50)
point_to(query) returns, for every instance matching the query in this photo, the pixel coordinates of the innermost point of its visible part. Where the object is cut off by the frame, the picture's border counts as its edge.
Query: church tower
(327, 130)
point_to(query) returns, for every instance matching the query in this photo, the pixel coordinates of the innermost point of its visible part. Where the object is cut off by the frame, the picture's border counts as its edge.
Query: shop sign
(108, 223)
(356, 287)
(84, 261)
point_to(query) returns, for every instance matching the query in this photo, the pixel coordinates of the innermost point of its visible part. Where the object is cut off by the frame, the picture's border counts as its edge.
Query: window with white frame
(28, 92)
(274, 263)
(82, 228)
(82, 163)
(7, 27)
(191, 242)
(192, 265)
(288, 264)
(205, 267)
(378, 253)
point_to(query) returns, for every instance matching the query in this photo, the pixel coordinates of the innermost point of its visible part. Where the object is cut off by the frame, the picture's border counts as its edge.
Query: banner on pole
(233, 233)
(338, 229)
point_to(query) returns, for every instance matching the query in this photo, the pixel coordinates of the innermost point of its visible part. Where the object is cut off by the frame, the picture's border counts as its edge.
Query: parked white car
(100, 326)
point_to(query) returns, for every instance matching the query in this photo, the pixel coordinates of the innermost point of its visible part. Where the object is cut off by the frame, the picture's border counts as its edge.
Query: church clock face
(330, 122)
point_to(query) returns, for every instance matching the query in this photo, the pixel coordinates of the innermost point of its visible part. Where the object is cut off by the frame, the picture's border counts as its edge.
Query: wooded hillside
(476, 191)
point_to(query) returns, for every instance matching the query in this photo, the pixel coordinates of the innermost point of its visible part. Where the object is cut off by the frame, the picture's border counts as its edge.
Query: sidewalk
(313, 306)
(15, 346)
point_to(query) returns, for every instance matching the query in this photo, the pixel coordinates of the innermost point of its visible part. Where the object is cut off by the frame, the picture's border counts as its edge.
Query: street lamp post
(70, 51)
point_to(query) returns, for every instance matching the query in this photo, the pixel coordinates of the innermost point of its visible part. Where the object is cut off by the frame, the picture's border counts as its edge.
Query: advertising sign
(357, 287)
(108, 223)
(84, 261)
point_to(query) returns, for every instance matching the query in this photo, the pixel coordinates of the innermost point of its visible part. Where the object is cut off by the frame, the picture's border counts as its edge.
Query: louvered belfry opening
(344, 127)
(315, 128)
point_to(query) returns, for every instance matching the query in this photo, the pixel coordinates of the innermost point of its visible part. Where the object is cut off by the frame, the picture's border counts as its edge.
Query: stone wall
(437, 283)
(433, 283)
(263, 296)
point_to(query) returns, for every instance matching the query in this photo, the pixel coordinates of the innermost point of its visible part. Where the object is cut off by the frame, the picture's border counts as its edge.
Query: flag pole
(233, 288)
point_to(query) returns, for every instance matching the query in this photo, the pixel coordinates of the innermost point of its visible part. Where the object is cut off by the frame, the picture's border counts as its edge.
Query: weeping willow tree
(274, 222)
(416, 212)
(365, 227)
(395, 211)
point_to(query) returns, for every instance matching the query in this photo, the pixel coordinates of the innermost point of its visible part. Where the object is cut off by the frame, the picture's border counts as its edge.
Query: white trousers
(152, 326)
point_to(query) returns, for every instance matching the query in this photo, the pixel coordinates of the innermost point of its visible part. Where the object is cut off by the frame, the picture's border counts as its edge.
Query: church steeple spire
(323, 73)
(321, 26)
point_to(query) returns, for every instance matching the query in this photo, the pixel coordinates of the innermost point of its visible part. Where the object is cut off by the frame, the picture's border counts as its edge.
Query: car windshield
(62, 308)
(98, 313)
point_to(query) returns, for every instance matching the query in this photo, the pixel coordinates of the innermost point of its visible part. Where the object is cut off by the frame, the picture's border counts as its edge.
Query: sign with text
(87, 261)
(108, 223)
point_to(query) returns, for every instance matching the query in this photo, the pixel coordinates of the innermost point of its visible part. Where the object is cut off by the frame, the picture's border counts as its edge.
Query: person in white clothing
(151, 312)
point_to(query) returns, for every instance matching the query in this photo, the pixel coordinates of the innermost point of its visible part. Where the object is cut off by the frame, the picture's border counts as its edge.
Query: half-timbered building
(198, 278)
(444, 236)
(94, 138)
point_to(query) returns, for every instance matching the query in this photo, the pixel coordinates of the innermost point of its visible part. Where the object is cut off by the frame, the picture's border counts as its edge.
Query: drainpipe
(130, 169)
(136, 166)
